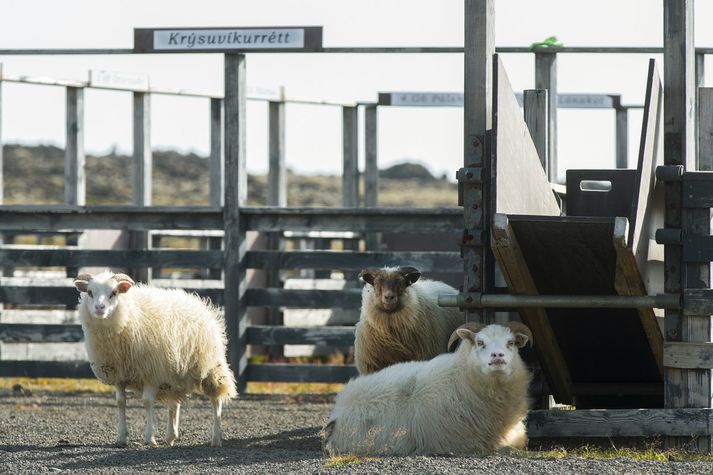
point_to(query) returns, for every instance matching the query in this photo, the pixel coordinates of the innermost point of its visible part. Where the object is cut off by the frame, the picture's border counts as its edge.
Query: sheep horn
(472, 326)
(519, 327)
(82, 281)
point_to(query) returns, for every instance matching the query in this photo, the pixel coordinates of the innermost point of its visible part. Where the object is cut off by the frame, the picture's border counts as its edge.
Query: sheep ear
(411, 274)
(125, 282)
(368, 276)
(463, 332)
(82, 282)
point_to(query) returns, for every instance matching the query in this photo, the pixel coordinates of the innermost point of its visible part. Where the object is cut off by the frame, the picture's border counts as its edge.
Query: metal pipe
(477, 300)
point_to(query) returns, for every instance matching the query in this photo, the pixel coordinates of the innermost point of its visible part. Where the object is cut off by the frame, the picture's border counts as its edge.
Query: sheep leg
(174, 411)
(217, 411)
(122, 432)
(149, 397)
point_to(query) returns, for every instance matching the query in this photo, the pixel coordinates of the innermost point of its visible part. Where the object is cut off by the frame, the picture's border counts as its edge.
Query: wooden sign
(227, 40)
(421, 99)
(580, 101)
(118, 80)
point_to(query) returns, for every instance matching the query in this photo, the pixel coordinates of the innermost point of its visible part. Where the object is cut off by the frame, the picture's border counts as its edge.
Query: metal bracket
(472, 175)
(472, 237)
(669, 236)
(669, 172)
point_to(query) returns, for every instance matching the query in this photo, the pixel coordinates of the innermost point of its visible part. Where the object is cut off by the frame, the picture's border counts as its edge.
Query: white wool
(418, 331)
(162, 341)
(457, 402)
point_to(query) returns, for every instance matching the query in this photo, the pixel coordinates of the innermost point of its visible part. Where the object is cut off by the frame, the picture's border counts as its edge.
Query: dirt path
(262, 434)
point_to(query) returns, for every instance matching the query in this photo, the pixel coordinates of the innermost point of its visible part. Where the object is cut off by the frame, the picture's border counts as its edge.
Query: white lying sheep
(400, 319)
(162, 343)
(473, 400)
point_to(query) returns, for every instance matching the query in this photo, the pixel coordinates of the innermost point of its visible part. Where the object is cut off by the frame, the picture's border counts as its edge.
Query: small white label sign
(427, 99)
(230, 38)
(118, 80)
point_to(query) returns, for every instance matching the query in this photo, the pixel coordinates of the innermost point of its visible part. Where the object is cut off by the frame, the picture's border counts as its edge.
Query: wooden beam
(350, 157)
(620, 423)
(536, 118)
(349, 260)
(628, 281)
(74, 160)
(546, 78)
(45, 369)
(216, 193)
(299, 373)
(479, 47)
(143, 159)
(519, 280)
(683, 388)
(371, 169)
(307, 298)
(28, 332)
(2, 181)
(278, 335)
(54, 295)
(235, 197)
(687, 355)
(277, 175)
(114, 258)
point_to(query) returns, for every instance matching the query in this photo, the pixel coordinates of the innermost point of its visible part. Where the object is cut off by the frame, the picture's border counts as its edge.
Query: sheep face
(495, 347)
(390, 284)
(100, 294)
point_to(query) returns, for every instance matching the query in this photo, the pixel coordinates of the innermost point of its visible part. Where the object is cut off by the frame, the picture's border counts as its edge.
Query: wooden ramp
(594, 358)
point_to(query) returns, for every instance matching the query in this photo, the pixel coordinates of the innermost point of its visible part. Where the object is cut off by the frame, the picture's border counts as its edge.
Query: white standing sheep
(400, 319)
(473, 400)
(162, 343)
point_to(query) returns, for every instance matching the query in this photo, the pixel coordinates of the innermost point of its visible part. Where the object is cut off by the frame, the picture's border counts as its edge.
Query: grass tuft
(341, 461)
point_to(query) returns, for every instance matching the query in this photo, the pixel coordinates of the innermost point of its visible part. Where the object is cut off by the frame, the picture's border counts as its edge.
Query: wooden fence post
(682, 387)
(235, 196)
(350, 157)
(700, 82)
(74, 161)
(535, 109)
(2, 182)
(371, 169)
(477, 121)
(546, 78)
(141, 173)
(217, 176)
(276, 196)
(622, 137)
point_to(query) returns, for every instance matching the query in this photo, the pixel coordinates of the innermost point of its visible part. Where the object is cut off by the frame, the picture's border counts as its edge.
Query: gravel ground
(262, 434)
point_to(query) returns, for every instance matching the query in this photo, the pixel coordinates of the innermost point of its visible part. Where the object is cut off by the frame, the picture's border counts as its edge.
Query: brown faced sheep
(400, 319)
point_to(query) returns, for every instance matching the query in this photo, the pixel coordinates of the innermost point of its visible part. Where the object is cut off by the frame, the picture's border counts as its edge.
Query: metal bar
(546, 78)
(350, 175)
(622, 138)
(74, 160)
(476, 300)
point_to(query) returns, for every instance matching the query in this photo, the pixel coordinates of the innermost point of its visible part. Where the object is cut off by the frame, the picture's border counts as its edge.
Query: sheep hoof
(151, 441)
(170, 440)
(121, 442)
(216, 442)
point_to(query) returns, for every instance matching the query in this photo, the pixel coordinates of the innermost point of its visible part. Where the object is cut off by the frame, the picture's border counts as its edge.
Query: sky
(35, 114)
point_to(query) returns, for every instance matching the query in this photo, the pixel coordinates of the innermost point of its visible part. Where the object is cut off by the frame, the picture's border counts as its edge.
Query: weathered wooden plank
(296, 373)
(28, 256)
(620, 423)
(518, 278)
(235, 197)
(479, 47)
(628, 281)
(697, 302)
(309, 298)
(28, 332)
(277, 175)
(279, 335)
(349, 260)
(216, 194)
(45, 369)
(350, 157)
(371, 169)
(56, 218)
(536, 118)
(2, 182)
(143, 158)
(546, 78)
(74, 159)
(621, 141)
(353, 219)
(520, 183)
(688, 355)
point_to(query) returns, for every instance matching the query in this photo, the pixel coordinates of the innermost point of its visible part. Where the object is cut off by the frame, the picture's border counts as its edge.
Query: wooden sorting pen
(596, 259)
